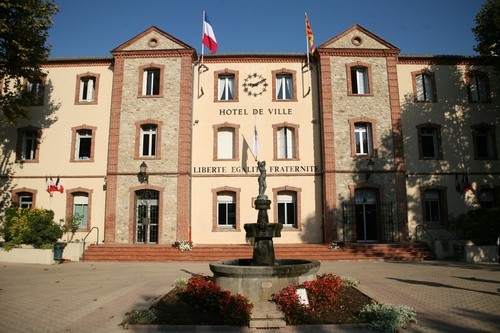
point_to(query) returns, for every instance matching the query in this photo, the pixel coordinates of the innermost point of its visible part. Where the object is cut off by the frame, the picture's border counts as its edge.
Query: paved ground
(94, 297)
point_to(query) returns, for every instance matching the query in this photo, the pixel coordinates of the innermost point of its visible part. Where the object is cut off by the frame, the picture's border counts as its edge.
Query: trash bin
(458, 251)
(58, 251)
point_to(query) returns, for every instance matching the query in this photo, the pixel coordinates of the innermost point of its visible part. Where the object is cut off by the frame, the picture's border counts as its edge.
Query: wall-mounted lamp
(143, 173)
(196, 121)
(369, 169)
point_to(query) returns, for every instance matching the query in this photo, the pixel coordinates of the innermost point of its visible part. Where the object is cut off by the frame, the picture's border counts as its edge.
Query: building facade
(155, 145)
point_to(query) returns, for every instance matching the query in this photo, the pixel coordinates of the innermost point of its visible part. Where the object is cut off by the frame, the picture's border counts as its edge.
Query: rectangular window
(25, 200)
(151, 82)
(226, 210)
(83, 144)
(81, 208)
(484, 146)
(487, 198)
(432, 207)
(225, 143)
(87, 88)
(478, 88)
(284, 87)
(424, 87)
(428, 141)
(226, 87)
(28, 151)
(37, 91)
(286, 143)
(148, 140)
(287, 210)
(359, 80)
(363, 138)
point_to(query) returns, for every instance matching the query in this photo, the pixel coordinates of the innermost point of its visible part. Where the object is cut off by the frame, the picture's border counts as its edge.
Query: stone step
(266, 315)
(164, 252)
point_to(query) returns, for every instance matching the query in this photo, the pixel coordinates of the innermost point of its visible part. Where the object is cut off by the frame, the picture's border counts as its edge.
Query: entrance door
(366, 215)
(146, 216)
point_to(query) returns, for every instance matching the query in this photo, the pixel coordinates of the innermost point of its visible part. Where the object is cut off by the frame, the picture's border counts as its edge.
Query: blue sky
(95, 27)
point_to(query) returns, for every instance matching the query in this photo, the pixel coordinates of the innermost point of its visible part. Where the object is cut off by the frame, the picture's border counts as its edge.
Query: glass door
(366, 215)
(146, 216)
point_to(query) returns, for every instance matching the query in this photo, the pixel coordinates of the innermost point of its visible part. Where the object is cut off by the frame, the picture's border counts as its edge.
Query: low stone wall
(28, 256)
(73, 251)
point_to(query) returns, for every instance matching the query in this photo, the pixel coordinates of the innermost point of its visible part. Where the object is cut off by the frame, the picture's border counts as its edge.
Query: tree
(24, 26)
(487, 30)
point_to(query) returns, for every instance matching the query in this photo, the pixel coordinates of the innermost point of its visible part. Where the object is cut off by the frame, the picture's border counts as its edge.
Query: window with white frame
(25, 200)
(226, 87)
(287, 208)
(363, 138)
(483, 136)
(29, 145)
(284, 87)
(151, 82)
(424, 87)
(226, 209)
(286, 143)
(359, 80)
(83, 146)
(432, 207)
(81, 208)
(429, 141)
(478, 88)
(37, 90)
(225, 143)
(87, 88)
(148, 140)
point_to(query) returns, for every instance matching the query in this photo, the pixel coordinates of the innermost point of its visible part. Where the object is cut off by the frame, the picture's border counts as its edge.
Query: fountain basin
(259, 283)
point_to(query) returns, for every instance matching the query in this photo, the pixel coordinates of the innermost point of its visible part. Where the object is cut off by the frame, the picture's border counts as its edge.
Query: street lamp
(143, 173)
(369, 169)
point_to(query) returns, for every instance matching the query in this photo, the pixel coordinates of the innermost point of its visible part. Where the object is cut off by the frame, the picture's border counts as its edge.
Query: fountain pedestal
(263, 232)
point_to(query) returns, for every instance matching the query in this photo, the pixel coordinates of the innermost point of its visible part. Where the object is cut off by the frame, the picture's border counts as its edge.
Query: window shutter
(90, 89)
(428, 87)
(420, 87)
(289, 142)
(225, 144)
(361, 80)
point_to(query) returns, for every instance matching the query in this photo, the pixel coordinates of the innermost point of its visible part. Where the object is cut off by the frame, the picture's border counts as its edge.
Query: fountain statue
(263, 275)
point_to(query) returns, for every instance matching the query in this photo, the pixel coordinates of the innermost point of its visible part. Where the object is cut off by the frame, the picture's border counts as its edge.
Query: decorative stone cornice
(357, 52)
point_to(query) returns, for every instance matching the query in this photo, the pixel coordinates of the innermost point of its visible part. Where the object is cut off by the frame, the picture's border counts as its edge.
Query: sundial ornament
(255, 84)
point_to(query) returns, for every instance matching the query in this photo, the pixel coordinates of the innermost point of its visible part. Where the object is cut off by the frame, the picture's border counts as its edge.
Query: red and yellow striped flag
(310, 36)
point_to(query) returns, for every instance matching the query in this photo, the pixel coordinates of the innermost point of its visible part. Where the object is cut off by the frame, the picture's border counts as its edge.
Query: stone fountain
(263, 275)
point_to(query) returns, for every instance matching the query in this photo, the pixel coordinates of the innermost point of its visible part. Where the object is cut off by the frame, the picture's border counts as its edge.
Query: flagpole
(202, 32)
(307, 41)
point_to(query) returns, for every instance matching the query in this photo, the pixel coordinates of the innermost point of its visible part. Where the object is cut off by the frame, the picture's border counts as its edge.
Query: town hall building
(155, 144)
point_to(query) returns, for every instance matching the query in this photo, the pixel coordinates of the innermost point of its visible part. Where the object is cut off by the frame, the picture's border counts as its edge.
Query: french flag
(208, 35)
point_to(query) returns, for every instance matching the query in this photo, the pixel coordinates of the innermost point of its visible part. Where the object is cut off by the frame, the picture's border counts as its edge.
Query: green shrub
(387, 317)
(33, 226)
(142, 317)
(482, 226)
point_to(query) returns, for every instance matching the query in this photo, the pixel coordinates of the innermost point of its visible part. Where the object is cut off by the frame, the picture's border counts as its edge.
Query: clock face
(254, 85)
